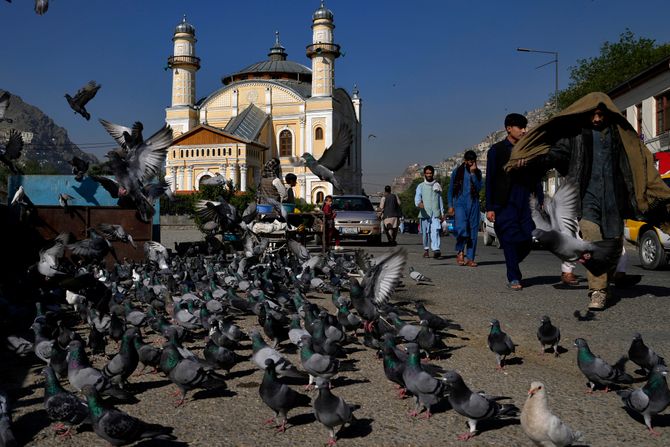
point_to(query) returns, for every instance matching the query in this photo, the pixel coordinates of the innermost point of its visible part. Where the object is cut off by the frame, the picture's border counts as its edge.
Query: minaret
(323, 52)
(182, 115)
(184, 65)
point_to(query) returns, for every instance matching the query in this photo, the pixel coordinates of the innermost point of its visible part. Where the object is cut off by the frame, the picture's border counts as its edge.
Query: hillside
(44, 141)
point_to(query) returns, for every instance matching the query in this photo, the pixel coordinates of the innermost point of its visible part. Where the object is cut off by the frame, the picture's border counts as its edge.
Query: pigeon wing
(117, 132)
(14, 145)
(111, 232)
(540, 219)
(336, 154)
(383, 277)
(86, 93)
(110, 185)
(478, 406)
(147, 160)
(563, 213)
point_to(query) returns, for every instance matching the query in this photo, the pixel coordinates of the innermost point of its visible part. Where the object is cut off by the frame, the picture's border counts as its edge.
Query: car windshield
(352, 204)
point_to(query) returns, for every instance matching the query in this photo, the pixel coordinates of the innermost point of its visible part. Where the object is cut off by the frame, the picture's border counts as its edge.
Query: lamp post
(555, 61)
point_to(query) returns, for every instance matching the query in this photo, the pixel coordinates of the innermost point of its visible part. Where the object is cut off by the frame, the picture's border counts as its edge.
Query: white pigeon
(540, 424)
(418, 276)
(75, 300)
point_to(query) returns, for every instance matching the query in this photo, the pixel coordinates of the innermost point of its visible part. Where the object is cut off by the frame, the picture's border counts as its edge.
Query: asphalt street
(470, 297)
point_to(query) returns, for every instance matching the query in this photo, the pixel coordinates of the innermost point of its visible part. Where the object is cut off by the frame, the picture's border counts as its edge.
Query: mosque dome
(322, 13)
(185, 27)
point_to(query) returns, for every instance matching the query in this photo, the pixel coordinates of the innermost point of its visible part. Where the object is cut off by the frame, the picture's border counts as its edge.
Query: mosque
(273, 108)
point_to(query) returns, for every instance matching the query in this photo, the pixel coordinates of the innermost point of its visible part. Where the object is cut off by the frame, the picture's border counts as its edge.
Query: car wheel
(652, 254)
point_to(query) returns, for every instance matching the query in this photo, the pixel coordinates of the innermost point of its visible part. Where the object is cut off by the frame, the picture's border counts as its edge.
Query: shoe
(426, 254)
(470, 263)
(598, 299)
(514, 285)
(437, 254)
(460, 258)
(621, 280)
(569, 279)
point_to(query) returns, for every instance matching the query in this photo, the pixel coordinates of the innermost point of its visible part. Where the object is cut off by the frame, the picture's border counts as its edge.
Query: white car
(489, 234)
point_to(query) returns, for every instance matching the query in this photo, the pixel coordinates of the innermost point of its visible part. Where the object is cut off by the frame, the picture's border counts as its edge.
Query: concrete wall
(178, 229)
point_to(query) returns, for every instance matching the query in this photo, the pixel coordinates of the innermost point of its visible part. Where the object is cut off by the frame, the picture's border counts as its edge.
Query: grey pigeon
(61, 406)
(10, 151)
(115, 232)
(500, 343)
(548, 335)
(80, 373)
(262, 352)
(82, 97)
(18, 345)
(557, 228)
(598, 371)
(4, 104)
(427, 390)
(651, 399)
(418, 276)
(6, 435)
(124, 363)
(157, 254)
(540, 424)
(119, 428)
(317, 365)
(217, 180)
(279, 396)
(333, 157)
(332, 411)
(474, 406)
(642, 355)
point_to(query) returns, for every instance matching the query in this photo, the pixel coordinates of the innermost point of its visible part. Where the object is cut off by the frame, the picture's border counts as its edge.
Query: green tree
(617, 62)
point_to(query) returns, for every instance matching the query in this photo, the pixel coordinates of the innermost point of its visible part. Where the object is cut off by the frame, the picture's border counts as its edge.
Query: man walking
(594, 145)
(391, 214)
(428, 198)
(463, 203)
(507, 200)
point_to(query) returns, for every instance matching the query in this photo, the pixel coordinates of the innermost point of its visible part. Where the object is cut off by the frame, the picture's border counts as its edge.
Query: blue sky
(435, 76)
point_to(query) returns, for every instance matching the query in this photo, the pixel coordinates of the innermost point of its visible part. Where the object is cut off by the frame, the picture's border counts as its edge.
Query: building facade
(273, 108)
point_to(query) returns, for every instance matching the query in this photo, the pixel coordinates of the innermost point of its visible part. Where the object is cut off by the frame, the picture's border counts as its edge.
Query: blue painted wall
(43, 190)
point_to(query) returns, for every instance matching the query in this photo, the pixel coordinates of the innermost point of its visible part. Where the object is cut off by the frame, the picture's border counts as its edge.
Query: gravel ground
(470, 297)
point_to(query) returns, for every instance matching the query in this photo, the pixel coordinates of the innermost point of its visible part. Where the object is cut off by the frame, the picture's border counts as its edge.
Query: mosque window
(318, 133)
(285, 143)
(208, 152)
(219, 152)
(181, 153)
(230, 151)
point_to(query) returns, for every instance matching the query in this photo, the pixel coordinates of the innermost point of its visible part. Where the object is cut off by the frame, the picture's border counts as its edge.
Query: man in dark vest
(507, 200)
(291, 180)
(391, 214)
(270, 185)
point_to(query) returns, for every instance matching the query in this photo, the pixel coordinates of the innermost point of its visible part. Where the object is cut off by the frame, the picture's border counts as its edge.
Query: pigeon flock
(196, 320)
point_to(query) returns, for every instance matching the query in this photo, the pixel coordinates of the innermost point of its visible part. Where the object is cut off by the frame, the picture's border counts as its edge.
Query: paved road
(471, 297)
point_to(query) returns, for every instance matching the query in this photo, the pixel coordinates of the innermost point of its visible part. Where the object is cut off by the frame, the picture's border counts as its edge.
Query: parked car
(488, 233)
(356, 219)
(653, 244)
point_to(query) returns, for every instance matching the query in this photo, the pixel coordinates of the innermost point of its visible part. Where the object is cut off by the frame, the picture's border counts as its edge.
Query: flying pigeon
(599, 372)
(11, 150)
(41, 7)
(64, 200)
(548, 335)
(4, 103)
(557, 228)
(500, 343)
(333, 157)
(6, 435)
(651, 399)
(79, 168)
(540, 424)
(83, 95)
(474, 406)
(114, 232)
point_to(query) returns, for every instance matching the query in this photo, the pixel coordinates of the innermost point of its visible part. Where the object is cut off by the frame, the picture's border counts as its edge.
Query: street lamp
(555, 61)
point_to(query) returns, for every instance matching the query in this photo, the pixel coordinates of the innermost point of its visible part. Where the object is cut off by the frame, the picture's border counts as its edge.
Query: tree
(616, 63)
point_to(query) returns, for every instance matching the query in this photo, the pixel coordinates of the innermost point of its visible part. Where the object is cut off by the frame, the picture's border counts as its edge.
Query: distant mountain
(44, 141)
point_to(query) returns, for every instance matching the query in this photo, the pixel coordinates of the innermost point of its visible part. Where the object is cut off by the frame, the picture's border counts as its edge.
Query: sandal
(460, 258)
(514, 285)
(470, 263)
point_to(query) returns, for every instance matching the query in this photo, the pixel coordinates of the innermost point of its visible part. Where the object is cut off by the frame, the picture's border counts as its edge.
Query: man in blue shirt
(507, 200)
(428, 198)
(463, 200)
